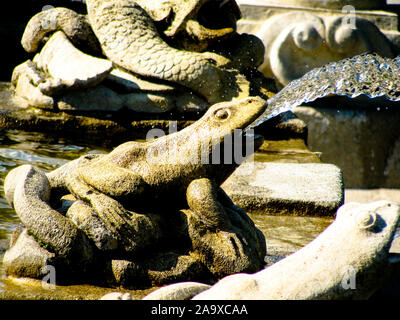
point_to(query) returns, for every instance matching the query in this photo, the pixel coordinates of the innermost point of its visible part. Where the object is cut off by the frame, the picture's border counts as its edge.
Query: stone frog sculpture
(142, 55)
(146, 213)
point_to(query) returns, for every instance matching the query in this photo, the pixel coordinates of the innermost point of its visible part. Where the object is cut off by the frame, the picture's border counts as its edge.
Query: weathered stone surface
(26, 257)
(111, 126)
(312, 189)
(28, 92)
(179, 291)
(28, 187)
(117, 296)
(371, 195)
(238, 247)
(174, 60)
(362, 141)
(87, 220)
(75, 26)
(328, 4)
(132, 83)
(302, 35)
(349, 260)
(306, 41)
(82, 71)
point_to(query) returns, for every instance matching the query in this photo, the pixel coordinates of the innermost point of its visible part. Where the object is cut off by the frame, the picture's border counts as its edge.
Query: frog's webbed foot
(109, 210)
(87, 220)
(134, 232)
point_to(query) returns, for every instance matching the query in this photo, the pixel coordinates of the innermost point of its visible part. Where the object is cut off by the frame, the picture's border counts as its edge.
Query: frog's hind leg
(221, 233)
(28, 190)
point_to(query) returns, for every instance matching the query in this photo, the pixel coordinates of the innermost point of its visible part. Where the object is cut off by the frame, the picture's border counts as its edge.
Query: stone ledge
(298, 189)
(119, 126)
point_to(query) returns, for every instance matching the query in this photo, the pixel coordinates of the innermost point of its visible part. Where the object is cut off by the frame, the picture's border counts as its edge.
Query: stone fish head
(376, 227)
(350, 259)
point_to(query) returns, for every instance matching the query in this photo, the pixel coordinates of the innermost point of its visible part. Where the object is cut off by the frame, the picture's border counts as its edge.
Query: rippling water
(48, 153)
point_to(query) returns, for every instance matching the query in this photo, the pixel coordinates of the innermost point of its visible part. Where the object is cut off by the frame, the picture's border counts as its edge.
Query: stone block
(300, 189)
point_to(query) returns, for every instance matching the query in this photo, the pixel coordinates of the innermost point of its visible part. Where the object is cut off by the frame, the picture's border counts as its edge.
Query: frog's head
(225, 127)
(238, 114)
(229, 123)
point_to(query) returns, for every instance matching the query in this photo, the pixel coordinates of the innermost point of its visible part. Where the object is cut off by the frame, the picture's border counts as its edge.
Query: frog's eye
(222, 114)
(366, 220)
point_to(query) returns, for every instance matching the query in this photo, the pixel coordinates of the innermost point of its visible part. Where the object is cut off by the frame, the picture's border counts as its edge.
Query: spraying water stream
(366, 74)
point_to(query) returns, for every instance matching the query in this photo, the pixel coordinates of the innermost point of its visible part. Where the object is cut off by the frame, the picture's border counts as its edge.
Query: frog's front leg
(109, 210)
(202, 198)
(220, 232)
(133, 231)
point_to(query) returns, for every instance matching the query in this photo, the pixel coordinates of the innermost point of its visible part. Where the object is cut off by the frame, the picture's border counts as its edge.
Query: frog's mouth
(253, 132)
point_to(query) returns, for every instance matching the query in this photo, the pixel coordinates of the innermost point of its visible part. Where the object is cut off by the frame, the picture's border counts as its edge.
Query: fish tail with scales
(130, 39)
(367, 74)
